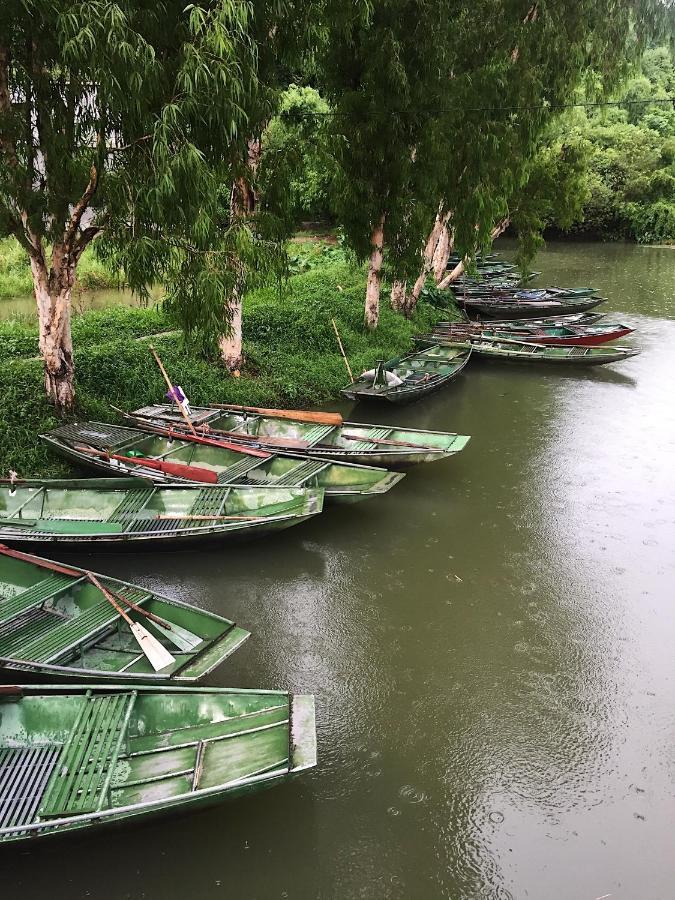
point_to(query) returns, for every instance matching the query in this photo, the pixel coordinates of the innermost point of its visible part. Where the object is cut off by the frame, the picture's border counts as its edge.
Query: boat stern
(303, 732)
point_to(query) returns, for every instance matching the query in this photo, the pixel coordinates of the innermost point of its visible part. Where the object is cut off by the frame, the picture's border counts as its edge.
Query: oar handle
(108, 596)
(143, 612)
(42, 563)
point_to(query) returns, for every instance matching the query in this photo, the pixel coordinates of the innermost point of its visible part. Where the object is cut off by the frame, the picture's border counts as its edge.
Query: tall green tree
(447, 104)
(117, 124)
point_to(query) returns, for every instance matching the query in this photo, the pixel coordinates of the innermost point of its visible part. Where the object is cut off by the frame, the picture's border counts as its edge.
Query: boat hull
(298, 735)
(376, 445)
(403, 394)
(503, 309)
(341, 482)
(81, 518)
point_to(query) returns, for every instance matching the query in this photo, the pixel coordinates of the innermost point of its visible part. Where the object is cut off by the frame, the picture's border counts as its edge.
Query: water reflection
(490, 645)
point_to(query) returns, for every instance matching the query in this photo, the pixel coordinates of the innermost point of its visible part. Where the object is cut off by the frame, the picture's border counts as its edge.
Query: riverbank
(291, 352)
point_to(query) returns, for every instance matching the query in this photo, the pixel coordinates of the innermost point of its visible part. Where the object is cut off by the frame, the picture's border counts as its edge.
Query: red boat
(553, 335)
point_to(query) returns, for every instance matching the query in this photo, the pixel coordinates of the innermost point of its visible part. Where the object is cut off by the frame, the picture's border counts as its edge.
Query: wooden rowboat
(519, 309)
(551, 335)
(390, 446)
(122, 451)
(403, 380)
(581, 318)
(522, 352)
(117, 513)
(82, 759)
(55, 622)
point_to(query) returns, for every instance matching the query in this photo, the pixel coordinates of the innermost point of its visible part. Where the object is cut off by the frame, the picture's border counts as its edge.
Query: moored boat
(117, 513)
(522, 352)
(409, 378)
(358, 442)
(81, 759)
(519, 309)
(120, 450)
(551, 335)
(58, 621)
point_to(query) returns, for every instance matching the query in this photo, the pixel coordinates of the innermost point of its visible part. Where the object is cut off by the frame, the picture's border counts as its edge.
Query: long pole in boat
(342, 349)
(172, 393)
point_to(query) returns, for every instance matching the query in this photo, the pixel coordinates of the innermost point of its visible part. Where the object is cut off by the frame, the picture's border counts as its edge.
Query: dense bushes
(292, 358)
(630, 182)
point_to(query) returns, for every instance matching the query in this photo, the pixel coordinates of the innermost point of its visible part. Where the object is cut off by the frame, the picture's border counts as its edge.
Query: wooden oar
(180, 470)
(171, 389)
(181, 637)
(298, 414)
(158, 656)
(215, 442)
(237, 436)
(42, 563)
(75, 573)
(356, 437)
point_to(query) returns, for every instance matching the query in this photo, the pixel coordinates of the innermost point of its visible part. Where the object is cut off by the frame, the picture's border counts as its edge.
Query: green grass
(292, 359)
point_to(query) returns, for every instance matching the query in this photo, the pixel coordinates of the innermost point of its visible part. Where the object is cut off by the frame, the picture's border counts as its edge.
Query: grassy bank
(292, 359)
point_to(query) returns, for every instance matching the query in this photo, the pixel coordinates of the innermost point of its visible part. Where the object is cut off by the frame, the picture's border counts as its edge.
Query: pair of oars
(155, 652)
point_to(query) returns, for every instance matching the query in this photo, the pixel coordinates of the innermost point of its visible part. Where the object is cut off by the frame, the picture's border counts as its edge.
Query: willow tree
(446, 104)
(525, 64)
(383, 72)
(117, 122)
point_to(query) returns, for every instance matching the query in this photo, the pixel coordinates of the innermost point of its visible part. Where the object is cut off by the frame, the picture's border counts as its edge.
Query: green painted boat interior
(136, 506)
(313, 434)
(102, 753)
(52, 619)
(232, 467)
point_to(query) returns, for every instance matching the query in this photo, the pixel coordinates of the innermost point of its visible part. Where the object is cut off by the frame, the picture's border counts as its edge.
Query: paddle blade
(158, 656)
(181, 637)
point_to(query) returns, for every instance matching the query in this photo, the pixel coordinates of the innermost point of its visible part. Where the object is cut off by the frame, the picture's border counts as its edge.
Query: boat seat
(134, 501)
(96, 434)
(578, 351)
(82, 775)
(24, 773)
(68, 634)
(317, 433)
(300, 474)
(209, 501)
(365, 444)
(238, 471)
(33, 596)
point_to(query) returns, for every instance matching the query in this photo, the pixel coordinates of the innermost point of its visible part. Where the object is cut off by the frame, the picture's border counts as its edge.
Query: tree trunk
(458, 271)
(398, 291)
(441, 255)
(243, 203)
(52, 294)
(430, 257)
(372, 312)
(230, 344)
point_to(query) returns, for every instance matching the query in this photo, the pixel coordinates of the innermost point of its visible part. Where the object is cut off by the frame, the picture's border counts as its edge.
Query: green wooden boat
(55, 622)
(409, 378)
(124, 513)
(357, 442)
(124, 451)
(522, 352)
(81, 759)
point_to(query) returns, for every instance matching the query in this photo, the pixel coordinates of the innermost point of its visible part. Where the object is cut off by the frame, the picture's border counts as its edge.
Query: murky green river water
(491, 647)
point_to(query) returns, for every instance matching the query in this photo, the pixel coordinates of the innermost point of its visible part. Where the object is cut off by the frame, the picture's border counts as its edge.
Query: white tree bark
(231, 344)
(439, 262)
(53, 291)
(398, 292)
(372, 310)
(458, 271)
